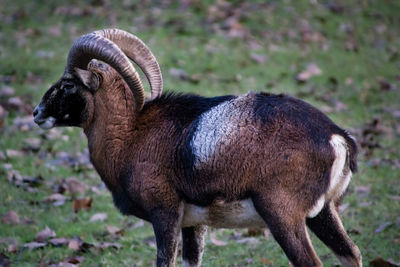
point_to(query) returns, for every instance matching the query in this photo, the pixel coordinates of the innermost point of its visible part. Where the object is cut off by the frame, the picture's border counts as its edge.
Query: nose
(35, 111)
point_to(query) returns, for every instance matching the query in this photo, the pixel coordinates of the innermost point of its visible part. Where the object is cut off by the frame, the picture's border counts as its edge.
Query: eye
(68, 86)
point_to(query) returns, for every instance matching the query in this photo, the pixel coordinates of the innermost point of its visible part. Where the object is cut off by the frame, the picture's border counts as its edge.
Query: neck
(110, 131)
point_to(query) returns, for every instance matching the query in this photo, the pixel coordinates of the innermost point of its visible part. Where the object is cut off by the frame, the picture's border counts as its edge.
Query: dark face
(64, 104)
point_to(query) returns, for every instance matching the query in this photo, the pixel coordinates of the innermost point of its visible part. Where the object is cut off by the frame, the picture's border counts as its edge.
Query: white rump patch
(338, 182)
(317, 207)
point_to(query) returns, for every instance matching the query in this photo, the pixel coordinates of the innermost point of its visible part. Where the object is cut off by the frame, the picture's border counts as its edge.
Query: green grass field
(341, 56)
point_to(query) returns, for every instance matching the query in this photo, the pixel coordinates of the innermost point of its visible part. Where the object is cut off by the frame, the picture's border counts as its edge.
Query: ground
(341, 56)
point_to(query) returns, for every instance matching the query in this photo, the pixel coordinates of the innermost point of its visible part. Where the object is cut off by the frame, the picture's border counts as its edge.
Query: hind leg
(328, 227)
(289, 229)
(193, 245)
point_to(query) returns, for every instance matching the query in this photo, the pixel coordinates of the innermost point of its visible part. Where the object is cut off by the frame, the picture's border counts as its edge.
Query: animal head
(69, 101)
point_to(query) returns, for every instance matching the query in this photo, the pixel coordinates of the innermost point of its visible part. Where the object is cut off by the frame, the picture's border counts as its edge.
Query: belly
(220, 214)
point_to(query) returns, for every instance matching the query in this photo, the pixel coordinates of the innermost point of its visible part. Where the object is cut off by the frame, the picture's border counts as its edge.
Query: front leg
(166, 224)
(193, 245)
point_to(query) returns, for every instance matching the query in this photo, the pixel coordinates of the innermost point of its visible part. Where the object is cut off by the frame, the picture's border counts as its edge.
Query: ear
(88, 78)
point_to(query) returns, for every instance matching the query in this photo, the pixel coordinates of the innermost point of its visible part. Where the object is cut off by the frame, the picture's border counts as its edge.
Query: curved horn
(137, 51)
(98, 45)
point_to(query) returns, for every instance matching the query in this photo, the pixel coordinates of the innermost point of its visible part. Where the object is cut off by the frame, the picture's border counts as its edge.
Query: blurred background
(341, 56)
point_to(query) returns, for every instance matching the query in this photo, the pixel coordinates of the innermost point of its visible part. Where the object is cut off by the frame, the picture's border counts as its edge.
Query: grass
(356, 46)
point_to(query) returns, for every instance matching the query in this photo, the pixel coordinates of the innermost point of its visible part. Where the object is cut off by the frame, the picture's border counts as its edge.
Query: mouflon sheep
(184, 162)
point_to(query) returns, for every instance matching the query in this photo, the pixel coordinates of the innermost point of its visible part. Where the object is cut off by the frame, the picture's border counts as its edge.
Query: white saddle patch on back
(338, 182)
(214, 127)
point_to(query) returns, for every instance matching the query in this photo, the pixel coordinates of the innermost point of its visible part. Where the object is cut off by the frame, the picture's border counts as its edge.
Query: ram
(185, 162)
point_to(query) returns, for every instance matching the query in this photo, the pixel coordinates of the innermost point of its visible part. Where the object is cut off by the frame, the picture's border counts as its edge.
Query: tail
(352, 151)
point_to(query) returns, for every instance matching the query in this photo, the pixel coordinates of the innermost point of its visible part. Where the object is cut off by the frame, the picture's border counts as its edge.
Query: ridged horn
(100, 45)
(137, 51)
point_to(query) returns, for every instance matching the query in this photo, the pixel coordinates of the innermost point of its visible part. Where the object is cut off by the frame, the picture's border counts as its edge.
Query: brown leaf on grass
(6, 91)
(266, 261)
(109, 245)
(12, 248)
(114, 231)
(15, 103)
(82, 203)
(47, 233)
(379, 262)
(74, 186)
(57, 199)
(34, 245)
(12, 153)
(59, 241)
(54, 30)
(33, 144)
(24, 123)
(260, 59)
(11, 217)
(248, 240)
(216, 241)
(98, 217)
(77, 244)
(75, 259)
(311, 70)
(23, 181)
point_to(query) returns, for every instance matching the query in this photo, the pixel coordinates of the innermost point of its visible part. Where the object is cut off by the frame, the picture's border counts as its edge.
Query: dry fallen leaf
(12, 248)
(15, 103)
(98, 217)
(59, 241)
(260, 59)
(248, 240)
(6, 91)
(82, 203)
(265, 261)
(311, 70)
(217, 242)
(108, 245)
(75, 260)
(33, 144)
(11, 217)
(57, 199)
(74, 186)
(47, 233)
(115, 231)
(12, 153)
(34, 245)
(75, 243)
